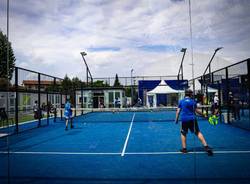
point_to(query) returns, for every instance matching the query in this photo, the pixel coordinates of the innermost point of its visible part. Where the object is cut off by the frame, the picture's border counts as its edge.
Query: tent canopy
(163, 88)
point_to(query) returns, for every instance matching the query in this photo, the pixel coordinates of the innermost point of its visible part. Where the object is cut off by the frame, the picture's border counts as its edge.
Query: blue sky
(118, 35)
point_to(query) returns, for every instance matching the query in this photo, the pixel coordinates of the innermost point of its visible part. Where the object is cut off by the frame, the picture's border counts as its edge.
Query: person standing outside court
(188, 108)
(236, 104)
(213, 119)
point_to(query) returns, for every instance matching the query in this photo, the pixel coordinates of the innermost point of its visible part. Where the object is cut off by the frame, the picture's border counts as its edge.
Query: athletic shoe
(208, 150)
(183, 150)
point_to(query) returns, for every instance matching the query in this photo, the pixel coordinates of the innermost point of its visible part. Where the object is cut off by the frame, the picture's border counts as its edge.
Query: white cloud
(48, 36)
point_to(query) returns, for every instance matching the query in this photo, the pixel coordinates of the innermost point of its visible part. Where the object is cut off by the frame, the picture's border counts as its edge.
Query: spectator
(117, 103)
(236, 108)
(36, 110)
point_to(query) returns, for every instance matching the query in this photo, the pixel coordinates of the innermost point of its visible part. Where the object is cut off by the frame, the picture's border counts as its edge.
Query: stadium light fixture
(83, 53)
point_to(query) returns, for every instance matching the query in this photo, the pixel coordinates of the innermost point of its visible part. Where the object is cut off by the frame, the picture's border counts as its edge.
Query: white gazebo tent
(162, 88)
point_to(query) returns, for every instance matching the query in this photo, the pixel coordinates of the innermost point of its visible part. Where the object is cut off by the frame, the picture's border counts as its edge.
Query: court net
(142, 114)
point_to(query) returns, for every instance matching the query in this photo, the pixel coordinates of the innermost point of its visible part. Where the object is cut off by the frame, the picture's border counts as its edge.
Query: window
(12, 102)
(111, 97)
(80, 100)
(57, 99)
(117, 95)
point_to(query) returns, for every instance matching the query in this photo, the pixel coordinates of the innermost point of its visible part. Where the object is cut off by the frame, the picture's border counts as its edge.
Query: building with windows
(100, 97)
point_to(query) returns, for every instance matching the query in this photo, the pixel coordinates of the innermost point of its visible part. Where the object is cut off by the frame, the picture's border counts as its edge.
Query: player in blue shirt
(188, 108)
(68, 114)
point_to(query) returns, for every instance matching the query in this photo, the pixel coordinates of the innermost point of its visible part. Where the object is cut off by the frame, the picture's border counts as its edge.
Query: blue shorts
(68, 117)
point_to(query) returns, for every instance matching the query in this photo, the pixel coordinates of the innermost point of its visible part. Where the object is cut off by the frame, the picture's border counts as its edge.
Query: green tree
(76, 83)
(100, 83)
(4, 43)
(117, 82)
(3, 83)
(128, 91)
(66, 84)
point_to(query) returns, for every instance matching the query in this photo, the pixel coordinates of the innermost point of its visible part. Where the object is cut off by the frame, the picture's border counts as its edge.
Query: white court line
(59, 153)
(126, 142)
(128, 153)
(191, 152)
(3, 134)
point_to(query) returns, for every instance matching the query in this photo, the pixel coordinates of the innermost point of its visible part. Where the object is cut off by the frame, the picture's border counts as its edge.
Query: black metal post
(61, 106)
(132, 93)
(206, 88)
(54, 105)
(17, 99)
(212, 77)
(227, 97)
(248, 81)
(219, 96)
(74, 94)
(39, 99)
(47, 99)
(82, 98)
(87, 76)
(202, 93)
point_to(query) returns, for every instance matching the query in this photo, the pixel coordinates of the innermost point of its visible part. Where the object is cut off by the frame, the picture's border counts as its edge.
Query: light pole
(181, 66)
(209, 68)
(132, 95)
(87, 68)
(87, 72)
(209, 64)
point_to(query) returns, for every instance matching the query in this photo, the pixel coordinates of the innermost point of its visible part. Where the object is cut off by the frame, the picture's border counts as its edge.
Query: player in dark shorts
(188, 109)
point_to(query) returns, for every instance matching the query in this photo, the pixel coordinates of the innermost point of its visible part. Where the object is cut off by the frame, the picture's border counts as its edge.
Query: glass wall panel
(220, 34)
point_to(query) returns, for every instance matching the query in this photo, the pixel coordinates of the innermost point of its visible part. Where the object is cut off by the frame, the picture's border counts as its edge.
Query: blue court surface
(100, 151)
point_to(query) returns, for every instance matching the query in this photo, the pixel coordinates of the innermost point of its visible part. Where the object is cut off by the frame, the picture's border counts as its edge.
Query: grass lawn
(23, 118)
